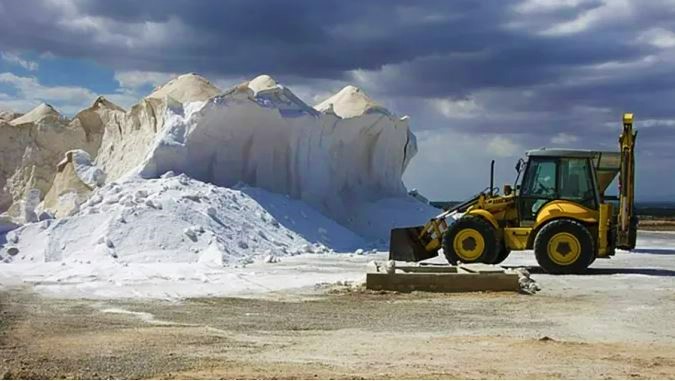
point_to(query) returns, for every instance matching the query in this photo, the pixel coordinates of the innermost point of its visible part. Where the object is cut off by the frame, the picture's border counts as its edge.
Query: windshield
(540, 179)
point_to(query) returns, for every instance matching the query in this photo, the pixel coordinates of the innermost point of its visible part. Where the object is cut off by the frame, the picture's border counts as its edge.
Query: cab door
(538, 187)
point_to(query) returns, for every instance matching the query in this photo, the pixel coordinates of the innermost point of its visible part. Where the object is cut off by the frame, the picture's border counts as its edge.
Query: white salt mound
(87, 172)
(191, 179)
(74, 182)
(181, 220)
(340, 159)
(186, 88)
(32, 145)
(7, 116)
(40, 112)
(262, 83)
(350, 102)
(127, 136)
(339, 165)
(277, 142)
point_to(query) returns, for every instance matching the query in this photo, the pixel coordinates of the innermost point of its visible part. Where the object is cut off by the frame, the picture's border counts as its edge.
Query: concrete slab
(443, 278)
(481, 268)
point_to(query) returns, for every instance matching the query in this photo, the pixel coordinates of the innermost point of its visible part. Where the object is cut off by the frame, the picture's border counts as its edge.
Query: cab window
(575, 181)
(540, 179)
(538, 187)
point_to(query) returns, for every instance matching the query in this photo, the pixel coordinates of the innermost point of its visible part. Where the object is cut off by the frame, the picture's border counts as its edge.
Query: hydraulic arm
(627, 222)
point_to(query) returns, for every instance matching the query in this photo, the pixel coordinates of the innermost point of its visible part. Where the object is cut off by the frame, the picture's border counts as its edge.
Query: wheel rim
(469, 244)
(564, 249)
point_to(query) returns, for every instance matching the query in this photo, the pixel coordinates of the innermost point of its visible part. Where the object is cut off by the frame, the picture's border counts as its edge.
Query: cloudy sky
(480, 80)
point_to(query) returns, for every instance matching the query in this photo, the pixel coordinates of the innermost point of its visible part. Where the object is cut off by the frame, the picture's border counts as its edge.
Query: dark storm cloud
(513, 61)
(433, 48)
(312, 38)
(463, 41)
(533, 68)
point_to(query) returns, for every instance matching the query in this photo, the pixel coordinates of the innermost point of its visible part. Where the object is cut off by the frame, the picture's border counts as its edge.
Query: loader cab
(553, 174)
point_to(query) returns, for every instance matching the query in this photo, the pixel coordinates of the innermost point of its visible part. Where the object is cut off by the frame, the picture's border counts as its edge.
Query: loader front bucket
(405, 245)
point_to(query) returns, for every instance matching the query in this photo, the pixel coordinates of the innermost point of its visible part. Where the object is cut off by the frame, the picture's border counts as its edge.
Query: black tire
(555, 260)
(470, 225)
(632, 232)
(502, 254)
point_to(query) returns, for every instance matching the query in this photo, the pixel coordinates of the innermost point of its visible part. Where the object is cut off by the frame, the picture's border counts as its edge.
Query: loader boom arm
(626, 221)
(416, 243)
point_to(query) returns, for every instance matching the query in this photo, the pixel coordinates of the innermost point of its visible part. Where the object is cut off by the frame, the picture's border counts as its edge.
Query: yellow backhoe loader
(559, 209)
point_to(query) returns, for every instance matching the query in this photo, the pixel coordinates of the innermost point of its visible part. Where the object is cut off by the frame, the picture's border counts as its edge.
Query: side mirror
(518, 164)
(507, 189)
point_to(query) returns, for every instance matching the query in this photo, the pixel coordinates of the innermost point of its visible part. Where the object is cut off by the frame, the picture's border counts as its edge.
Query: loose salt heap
(180, 220)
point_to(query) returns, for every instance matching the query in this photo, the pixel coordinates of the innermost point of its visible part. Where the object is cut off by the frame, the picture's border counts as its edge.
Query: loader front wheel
(470, 240)
(564, 247)
(501, 256)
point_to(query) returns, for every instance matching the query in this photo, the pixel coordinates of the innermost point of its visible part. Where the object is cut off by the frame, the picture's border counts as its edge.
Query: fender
(485, 215)
(565, 209)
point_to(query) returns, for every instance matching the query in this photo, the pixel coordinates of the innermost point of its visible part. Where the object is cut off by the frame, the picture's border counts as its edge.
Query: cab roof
(556, 152)
(607, 163)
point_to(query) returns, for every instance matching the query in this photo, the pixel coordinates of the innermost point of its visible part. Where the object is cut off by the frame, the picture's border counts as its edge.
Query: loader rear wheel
(564, 247)
(470, 240)
(632, 233)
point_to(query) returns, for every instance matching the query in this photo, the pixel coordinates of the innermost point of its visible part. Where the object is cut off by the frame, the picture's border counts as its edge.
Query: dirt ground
(614, 322)
(657, 224)
(344, 334)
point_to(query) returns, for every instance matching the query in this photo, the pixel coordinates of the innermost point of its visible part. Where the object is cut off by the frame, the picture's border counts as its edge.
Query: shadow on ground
(654, 251)
(609, 271)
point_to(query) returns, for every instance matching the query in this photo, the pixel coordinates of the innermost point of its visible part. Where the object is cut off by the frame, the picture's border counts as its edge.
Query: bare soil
(339, 334)
(657, 223)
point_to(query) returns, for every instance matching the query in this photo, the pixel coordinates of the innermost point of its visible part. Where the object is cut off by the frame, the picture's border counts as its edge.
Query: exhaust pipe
(492, 177)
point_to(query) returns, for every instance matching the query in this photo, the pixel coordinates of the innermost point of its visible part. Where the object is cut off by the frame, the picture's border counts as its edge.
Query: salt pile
(31, 146)
(191, 174)
(276, 142)
(75, 179)
(41, 113)
(179, 220)
(351, 102)
(7, 116)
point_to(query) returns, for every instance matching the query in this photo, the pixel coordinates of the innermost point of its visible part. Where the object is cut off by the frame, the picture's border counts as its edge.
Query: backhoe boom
(627, 223)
